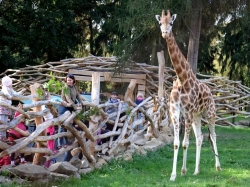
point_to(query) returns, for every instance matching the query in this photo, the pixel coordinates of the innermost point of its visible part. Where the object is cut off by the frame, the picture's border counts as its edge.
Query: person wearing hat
(8, 92)
(112, 99)
(111, 109)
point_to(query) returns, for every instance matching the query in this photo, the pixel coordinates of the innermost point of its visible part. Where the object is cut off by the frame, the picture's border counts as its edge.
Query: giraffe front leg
(174, 111)
(176, 149)
(175, 121)
(185, 145)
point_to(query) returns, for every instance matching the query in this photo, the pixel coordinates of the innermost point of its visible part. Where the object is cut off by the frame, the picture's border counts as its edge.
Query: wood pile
(231, 97)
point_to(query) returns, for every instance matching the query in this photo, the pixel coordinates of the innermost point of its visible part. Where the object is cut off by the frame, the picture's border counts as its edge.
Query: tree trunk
(194, 37)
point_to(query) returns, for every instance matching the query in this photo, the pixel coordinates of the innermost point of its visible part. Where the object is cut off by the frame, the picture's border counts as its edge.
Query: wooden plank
(122, 75)
(81, 72)
(132, 76)
(127, 80)
(85, 78)
(141, 87)
(107, 76)
(89, 78)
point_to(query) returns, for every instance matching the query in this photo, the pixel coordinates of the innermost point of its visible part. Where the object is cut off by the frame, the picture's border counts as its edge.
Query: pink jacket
(21, 126)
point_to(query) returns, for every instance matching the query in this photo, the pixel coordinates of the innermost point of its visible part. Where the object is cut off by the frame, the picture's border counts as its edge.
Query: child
(5, 160)
(13, 135)
(6, 112)
(50, 130)
(138, 100)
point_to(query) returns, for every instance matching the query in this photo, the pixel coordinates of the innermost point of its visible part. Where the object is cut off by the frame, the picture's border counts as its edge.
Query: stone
(85, 171)
(166, 138)
(244, 123)
(58, 175)
(77, 175)
(100, 163)
(153, 145)
(140, 142)
(106, 158)
(31, 172)
(63, 168)
(76, 162)
(128, 156)
(5, 180)
(140, 151)
(85, 164)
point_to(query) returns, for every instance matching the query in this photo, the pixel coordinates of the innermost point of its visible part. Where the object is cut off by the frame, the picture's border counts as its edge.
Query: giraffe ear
(158, 18)
(174, 17)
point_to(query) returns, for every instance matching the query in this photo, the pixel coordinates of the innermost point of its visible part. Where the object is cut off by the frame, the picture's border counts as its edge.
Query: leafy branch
(91, 112)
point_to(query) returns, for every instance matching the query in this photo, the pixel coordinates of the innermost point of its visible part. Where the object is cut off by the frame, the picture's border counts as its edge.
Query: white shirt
(48, 116)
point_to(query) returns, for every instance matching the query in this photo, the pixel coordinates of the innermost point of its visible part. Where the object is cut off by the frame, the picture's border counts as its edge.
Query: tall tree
(235, 44)
(35, 31)
(194, 36)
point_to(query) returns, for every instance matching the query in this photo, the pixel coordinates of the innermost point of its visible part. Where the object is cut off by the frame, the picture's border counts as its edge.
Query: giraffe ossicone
(190, 98)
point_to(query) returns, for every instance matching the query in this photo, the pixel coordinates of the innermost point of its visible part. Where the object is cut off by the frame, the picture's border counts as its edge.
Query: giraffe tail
(211, 143)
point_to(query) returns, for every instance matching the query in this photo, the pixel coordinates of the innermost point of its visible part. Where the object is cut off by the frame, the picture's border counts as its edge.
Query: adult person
(9, 92)
(71, 101)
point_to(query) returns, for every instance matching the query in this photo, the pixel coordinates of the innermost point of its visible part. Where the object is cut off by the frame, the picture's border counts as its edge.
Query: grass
(154, 169)
(237, 119)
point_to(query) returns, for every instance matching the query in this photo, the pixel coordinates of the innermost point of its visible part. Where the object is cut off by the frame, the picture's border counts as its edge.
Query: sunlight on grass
(154, 169)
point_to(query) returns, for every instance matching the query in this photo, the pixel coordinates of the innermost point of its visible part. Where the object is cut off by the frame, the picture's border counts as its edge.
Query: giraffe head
(166, 22)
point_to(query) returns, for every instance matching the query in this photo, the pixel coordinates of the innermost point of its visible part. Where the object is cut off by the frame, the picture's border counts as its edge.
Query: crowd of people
(71, 101)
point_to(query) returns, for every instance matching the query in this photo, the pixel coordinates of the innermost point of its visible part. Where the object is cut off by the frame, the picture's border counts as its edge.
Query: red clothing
(5, 160)
(21, 126)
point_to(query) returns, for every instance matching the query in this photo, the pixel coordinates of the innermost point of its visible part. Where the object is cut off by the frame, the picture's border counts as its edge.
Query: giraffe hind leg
(212, 135)
(199, 139)
(185, 145)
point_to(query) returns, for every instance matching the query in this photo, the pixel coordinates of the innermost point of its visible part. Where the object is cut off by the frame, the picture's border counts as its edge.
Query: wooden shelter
(231, 97)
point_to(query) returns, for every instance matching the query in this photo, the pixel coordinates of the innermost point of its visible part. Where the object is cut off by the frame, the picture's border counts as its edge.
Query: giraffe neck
(181, 65)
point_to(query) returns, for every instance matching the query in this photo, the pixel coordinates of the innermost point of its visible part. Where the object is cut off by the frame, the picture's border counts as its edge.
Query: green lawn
(155, 168)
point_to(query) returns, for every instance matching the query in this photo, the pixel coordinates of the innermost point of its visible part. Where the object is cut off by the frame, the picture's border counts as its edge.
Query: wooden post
(95, 93)
(95, 97)
(161, 61)
(130, 90)
(38, 121)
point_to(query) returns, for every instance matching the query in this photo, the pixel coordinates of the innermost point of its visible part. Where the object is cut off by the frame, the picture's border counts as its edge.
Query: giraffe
(189, 97)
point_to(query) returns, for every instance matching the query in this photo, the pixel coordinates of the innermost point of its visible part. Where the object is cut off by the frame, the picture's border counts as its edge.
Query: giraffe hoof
(218, 168)
(183, 172)
(196, 173)
(172, 178)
